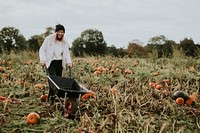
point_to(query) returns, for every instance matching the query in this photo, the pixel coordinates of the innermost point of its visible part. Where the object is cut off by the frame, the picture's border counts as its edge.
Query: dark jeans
(55, 68)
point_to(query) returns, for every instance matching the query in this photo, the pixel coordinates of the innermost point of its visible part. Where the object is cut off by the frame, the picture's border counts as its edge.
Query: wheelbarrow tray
(62, 85)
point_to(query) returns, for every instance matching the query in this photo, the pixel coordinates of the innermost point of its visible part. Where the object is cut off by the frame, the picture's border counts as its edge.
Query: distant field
(131, 95)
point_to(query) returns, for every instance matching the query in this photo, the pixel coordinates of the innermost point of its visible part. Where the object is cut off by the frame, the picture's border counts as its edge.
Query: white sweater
(58, 50)
(47, 51)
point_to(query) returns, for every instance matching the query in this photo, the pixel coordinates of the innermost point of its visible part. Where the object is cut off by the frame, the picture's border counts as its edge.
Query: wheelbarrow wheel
(71, 108)
(51, 97)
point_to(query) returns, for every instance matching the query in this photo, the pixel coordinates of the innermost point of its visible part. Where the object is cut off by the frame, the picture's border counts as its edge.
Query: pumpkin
(166, 81)
(189, 101)
(96, 73)
(117, 70)
(159, 86)
(180, 101)
(68, 106)
(155, 74)
(114, 90)
(180, 94)
(25, 83)
(112, 65)
(43, 97)
(193, 97)
(33, 118)
(5, 75)
(39, 86)
(100, 68)
(165, 92)
(128, 71)
(2, 69)
(88, 95)
(2, 98)
(152, 84)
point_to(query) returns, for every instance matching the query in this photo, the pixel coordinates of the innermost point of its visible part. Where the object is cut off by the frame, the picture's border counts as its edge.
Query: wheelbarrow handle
(70, 72)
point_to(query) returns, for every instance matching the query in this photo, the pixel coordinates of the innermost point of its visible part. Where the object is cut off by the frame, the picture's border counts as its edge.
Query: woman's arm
(67, 54)
(42, 51)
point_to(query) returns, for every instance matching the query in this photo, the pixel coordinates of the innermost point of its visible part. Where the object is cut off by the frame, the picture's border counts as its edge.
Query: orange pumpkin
(88, 95)
(5, 75)
(9, 68)
(193, 97)
(25, 83)
(2, 98)
(100, 68)
(9, 100)
(165, 92)
(96, 73)
(43, 97)
(166, 81)
(33, 118)
(68, 106)
(2, 69)
(180, 101)
(112, 65)
(117, 70)
(39, 86)
(155, 74)
(152, 84)
(114, 90)
(128, 71)
(189, 101)
(158, 87)
(106, 70)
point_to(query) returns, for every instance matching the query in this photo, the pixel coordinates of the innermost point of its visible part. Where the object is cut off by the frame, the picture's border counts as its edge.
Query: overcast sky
(120, 21)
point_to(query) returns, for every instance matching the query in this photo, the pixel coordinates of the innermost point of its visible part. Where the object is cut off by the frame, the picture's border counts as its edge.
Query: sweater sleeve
(42, 51)
(68, 57)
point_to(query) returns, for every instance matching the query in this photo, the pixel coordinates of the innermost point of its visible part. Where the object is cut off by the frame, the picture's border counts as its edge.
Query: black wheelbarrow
(68, 91)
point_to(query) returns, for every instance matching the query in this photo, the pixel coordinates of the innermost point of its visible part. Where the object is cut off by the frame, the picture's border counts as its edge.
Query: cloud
(120, 21)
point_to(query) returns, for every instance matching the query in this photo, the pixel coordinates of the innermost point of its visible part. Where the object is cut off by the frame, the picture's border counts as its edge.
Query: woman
(54, 55)
(54, 52)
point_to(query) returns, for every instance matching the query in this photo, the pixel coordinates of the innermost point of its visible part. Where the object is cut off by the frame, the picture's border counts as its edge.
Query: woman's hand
(42, 63)
(69, 66)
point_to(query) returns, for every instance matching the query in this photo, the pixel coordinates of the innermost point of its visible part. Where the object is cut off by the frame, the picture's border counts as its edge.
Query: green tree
(49, 31)
(161, 46)
(135, 49)
(78, 47)
(112, 50)
(122, 52)
(155, 44)
(168, 48)
(11, 39)
(35, 42)
(157, 40)
(189, 48)
(198, 50)
(90, 42)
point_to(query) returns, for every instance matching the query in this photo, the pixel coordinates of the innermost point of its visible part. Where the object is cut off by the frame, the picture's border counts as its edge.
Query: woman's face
(60, 34)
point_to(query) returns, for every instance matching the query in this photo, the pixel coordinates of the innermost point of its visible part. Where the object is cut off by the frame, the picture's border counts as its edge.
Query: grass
(134, 108)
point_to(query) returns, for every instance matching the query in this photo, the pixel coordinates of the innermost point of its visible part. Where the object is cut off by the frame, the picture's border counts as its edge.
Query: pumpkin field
(131, 95)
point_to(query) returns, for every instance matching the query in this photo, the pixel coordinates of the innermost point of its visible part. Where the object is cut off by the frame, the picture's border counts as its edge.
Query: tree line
(91, 42)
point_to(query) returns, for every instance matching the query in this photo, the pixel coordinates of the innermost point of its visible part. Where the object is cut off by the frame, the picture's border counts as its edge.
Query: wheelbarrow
(68, 91)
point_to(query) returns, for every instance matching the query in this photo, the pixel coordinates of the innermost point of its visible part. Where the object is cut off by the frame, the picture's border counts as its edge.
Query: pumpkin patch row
(182, 98)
